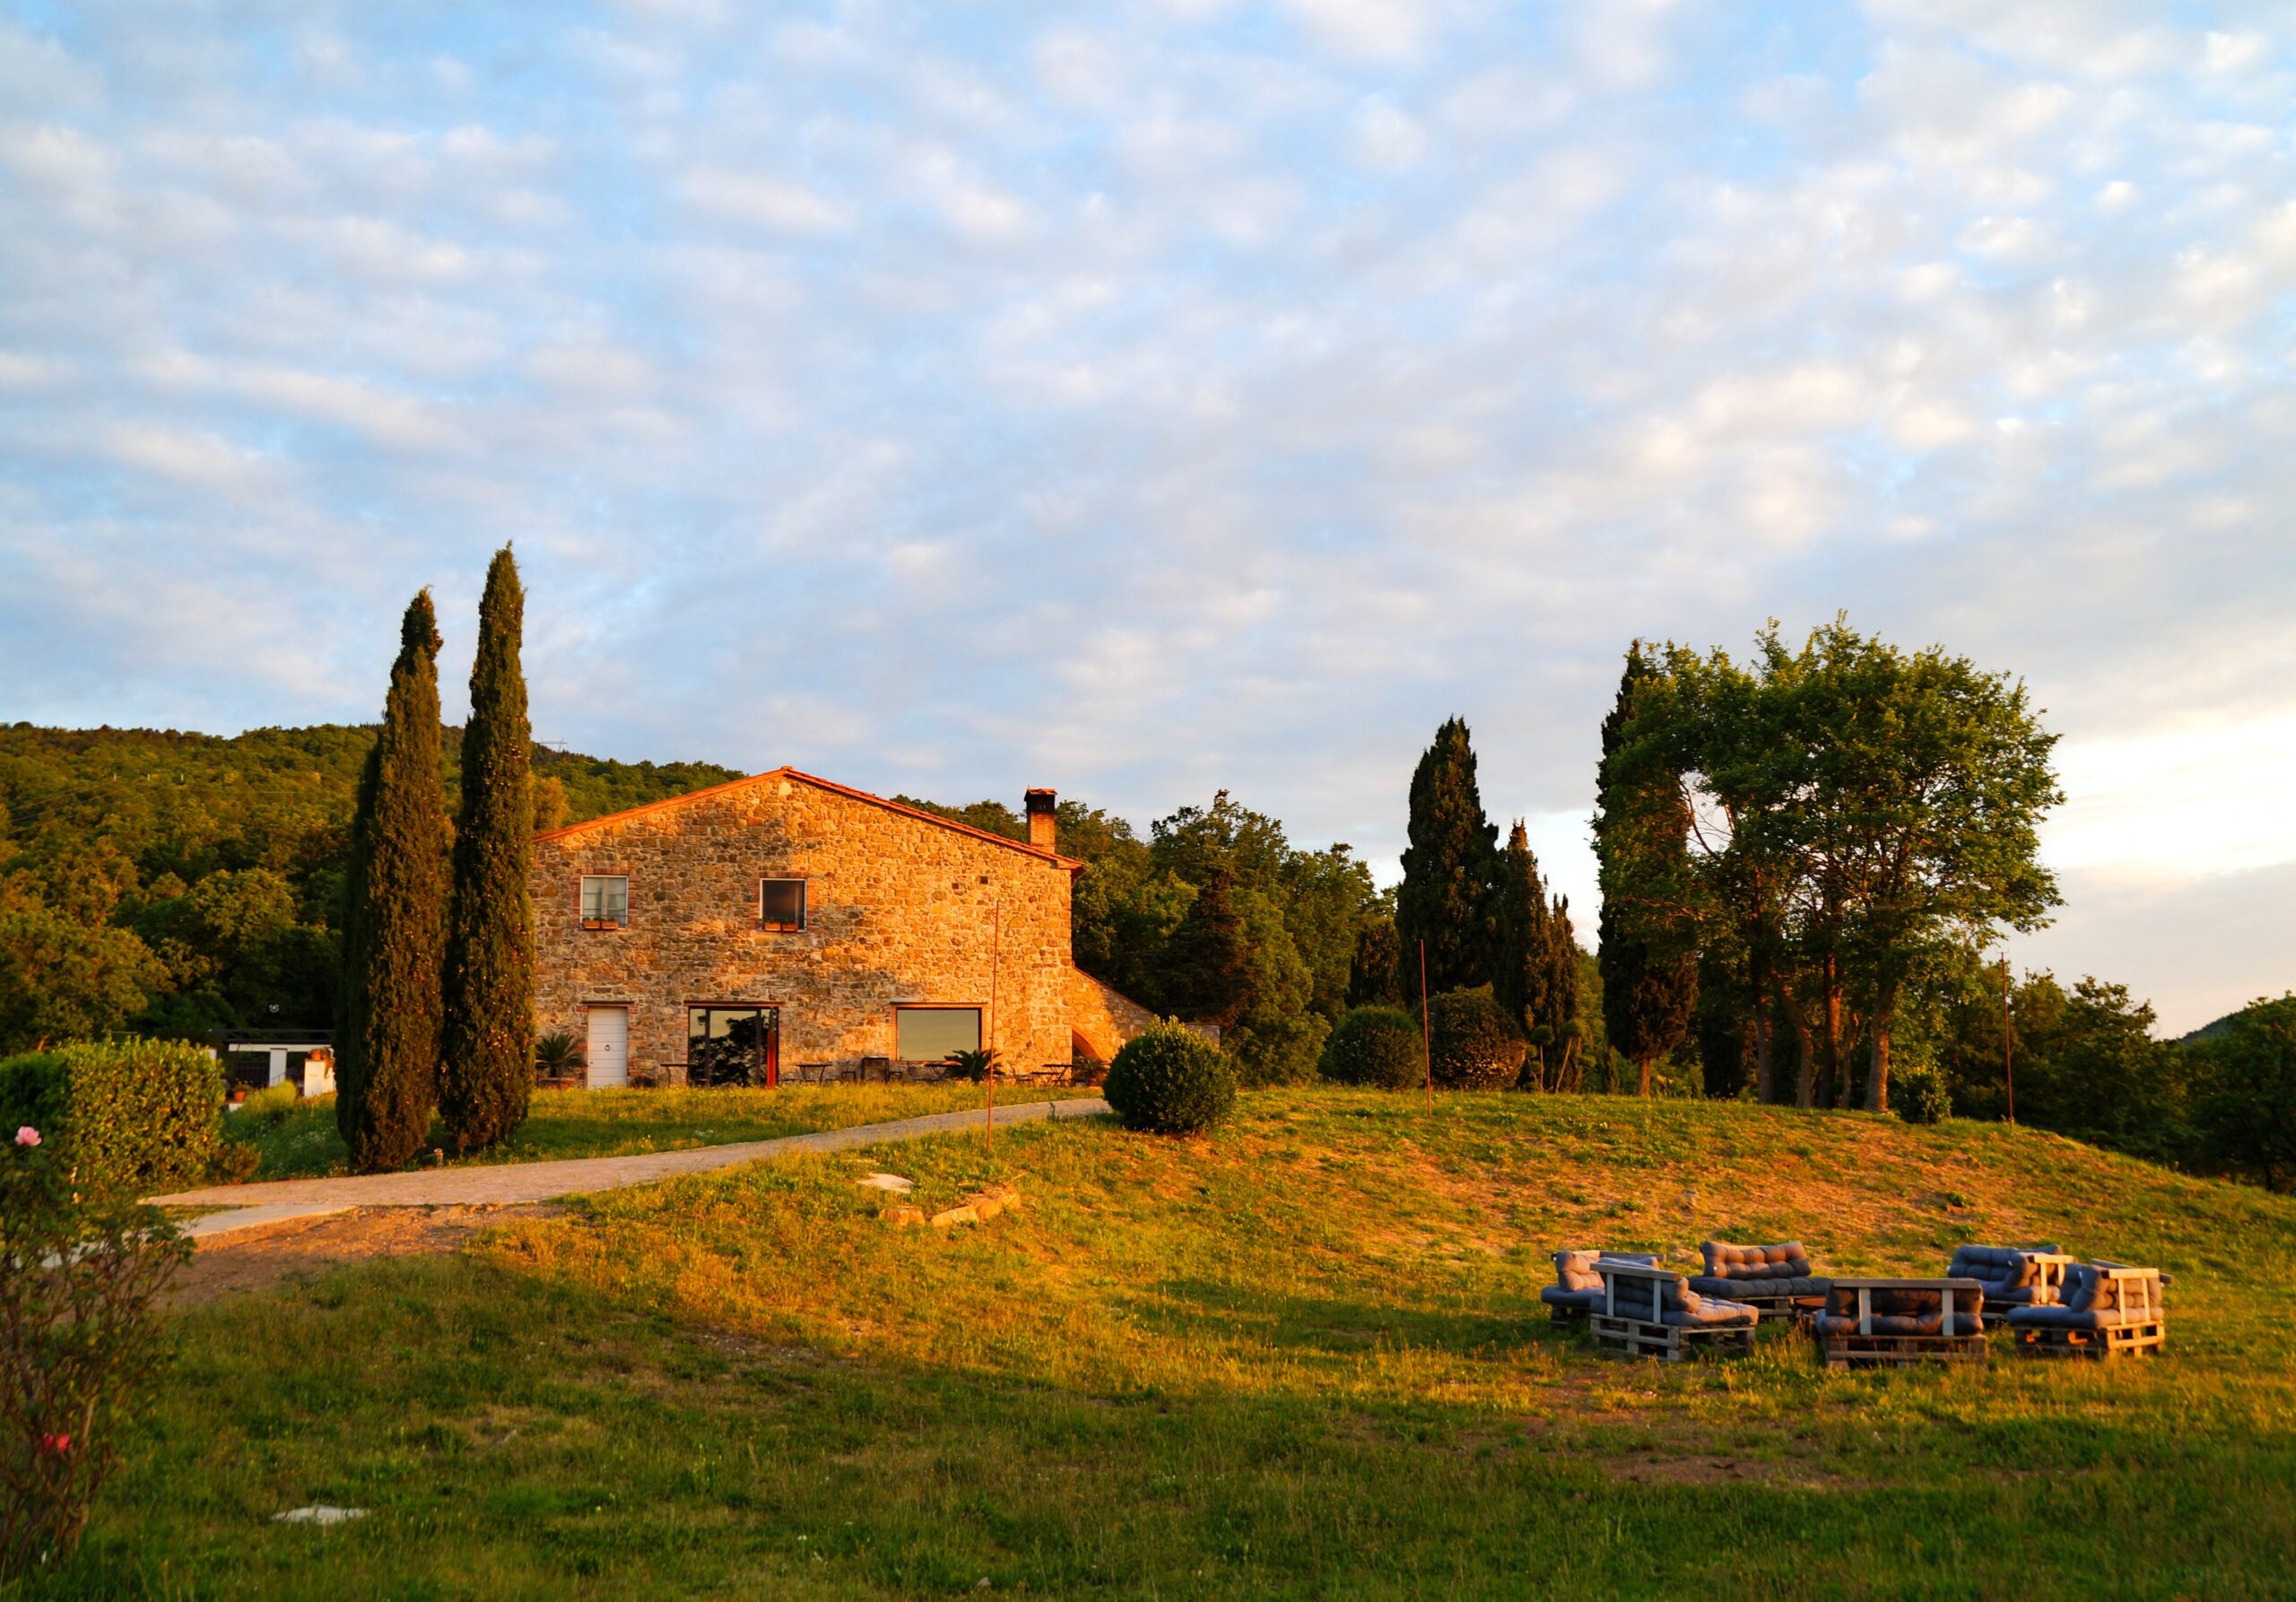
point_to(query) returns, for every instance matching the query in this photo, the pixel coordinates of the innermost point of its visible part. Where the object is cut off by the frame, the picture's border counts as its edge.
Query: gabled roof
(1049, 858)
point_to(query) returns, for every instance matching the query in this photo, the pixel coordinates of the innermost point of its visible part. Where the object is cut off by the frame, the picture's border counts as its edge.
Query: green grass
(299, 1140)
(1303, 1357)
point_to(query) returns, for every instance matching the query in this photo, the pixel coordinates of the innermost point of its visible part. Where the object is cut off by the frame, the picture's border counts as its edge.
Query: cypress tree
(1375, 977)
(1649, 979)
(1208, 970)
(393, 937)
(1450, 868)
(1562, 994)
(1518, 978)
(487, 1067)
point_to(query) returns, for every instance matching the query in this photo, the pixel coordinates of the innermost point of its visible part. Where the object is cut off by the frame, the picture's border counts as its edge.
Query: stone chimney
(1043, 831)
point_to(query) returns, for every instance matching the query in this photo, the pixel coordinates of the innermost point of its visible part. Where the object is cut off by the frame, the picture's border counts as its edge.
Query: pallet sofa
(1577, 1289)
(1895, 1323)
(2013, 1276)
(1774, 1279)
(2107, 1310)
(1649, 1312)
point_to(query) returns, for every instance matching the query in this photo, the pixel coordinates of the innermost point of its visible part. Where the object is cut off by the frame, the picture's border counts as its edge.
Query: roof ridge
(786, 773)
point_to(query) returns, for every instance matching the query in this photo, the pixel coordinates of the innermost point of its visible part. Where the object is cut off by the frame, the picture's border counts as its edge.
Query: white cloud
(763, 201)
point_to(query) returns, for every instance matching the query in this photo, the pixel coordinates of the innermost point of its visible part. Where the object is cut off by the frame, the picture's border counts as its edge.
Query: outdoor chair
(2106, 1308)
(1774, 1279)
(1898, 1322)
(1651, 1312)
(2013, 1276)
(1577, 1289)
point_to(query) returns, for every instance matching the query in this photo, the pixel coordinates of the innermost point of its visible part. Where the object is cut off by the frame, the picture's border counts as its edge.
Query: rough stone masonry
(901, 909)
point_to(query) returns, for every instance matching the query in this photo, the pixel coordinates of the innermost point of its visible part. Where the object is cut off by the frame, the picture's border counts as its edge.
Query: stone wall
(1102, 1017)
(899, 909)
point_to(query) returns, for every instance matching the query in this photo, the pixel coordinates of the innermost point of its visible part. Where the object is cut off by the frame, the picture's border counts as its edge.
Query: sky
(1144, 399)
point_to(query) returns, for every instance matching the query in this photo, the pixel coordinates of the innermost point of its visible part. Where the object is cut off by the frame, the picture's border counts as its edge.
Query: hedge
(140, 1116)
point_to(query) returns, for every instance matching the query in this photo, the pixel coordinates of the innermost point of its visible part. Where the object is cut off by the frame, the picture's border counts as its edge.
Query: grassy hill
(1301, 1357)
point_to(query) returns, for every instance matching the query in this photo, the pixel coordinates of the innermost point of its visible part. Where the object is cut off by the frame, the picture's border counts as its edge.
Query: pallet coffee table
(1855, 1332)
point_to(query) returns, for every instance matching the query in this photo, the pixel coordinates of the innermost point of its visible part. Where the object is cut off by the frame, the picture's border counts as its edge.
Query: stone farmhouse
(783, 927)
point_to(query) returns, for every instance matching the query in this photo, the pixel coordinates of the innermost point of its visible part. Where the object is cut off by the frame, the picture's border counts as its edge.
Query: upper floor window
(605, 901)
(781, 903)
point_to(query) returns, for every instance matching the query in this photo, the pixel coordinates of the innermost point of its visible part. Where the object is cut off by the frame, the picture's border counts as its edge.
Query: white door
(608, 1051)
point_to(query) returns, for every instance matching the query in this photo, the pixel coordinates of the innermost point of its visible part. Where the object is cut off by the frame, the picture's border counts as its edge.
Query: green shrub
(1169, 1080)
(1274, 1048)
(129, 1116)
(1919, 1095)
(1474, 1046)
(78, 1336)
(1377, 1046)
(271, 1104)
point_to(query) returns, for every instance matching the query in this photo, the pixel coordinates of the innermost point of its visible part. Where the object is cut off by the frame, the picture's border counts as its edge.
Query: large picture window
(605, 901)
(934, 1033)
(733, 1045)
(781, 903)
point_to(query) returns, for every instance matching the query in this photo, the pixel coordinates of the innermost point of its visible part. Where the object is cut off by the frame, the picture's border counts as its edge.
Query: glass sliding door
(733, 1045)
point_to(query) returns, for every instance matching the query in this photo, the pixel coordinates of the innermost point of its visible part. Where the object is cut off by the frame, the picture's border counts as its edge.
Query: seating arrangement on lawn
(2012, 1275)
(2107, 1308)
(2054, 1304)
(1898, 1322)
(1774, 1279)
(1651, 1312)
(1577, 1289)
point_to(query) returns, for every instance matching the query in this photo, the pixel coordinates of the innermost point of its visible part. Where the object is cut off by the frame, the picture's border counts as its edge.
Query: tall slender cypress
(1518, 978)
(1563, 992)
(488, 1071)
(1450, 868)
(1649, 974)
(395, 892)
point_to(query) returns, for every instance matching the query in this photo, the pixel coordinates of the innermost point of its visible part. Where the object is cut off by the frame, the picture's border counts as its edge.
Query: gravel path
(498, 1184)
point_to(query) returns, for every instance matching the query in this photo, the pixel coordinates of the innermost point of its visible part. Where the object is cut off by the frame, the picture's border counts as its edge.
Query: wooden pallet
(1668, 1343)
(1901, 1351)
(2114, 1340)
(1795, 1308)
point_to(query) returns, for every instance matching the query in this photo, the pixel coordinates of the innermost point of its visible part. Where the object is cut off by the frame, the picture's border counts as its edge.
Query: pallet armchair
(2107, 1310)
(2014, 1276)
(1649, 1312)
(1577, 1289)
(1774, 1279)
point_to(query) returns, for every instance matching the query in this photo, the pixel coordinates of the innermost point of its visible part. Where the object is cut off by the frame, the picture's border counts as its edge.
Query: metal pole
(2008, 1070)
(995, 962)
(1426, 1029)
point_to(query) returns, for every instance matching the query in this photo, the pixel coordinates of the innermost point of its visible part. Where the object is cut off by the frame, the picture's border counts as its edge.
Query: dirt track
(257, 1259)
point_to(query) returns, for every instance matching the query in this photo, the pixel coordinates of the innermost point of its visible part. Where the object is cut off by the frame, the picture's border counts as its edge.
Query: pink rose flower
(26, 1136)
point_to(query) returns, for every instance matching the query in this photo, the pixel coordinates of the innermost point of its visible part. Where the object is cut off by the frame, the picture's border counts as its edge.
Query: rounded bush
(1376, 1046)
(1919, 1095)
(1169, 1080)
(1474, 1046)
